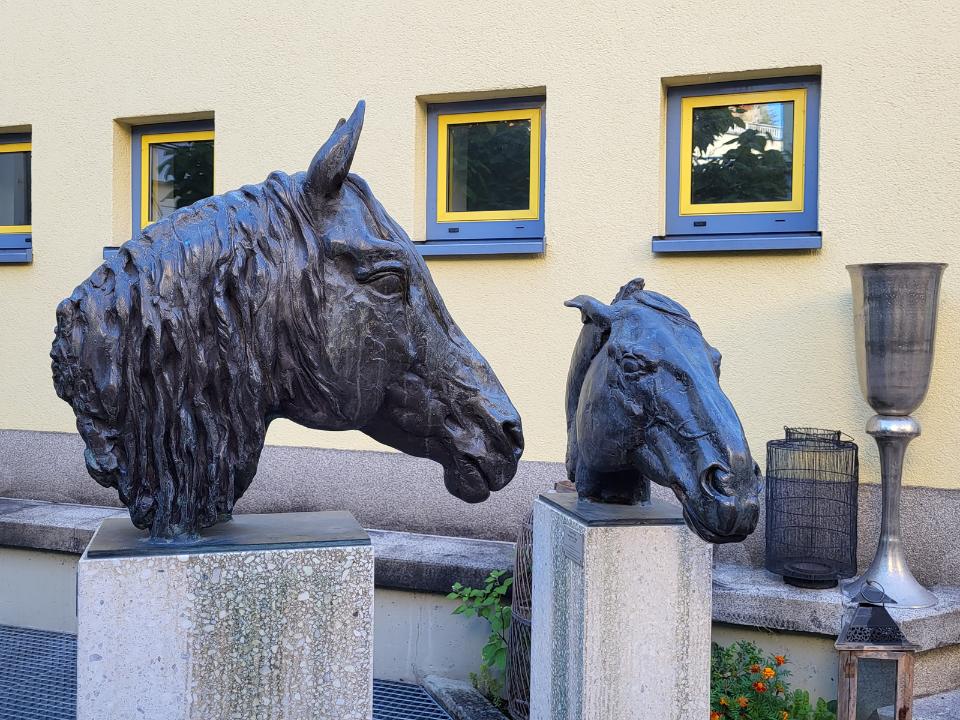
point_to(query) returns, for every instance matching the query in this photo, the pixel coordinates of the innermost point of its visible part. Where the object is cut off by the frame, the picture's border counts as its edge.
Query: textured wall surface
(263, 634)
(635, 604)
(276, 77)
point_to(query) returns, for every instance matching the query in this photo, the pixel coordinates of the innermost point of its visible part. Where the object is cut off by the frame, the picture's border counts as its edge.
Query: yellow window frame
(155, 139)
(797, 96)
(12, 148)
(444, 122)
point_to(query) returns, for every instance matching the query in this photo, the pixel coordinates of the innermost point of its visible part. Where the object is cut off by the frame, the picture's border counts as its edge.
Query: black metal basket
(518, 640)
(811, 531)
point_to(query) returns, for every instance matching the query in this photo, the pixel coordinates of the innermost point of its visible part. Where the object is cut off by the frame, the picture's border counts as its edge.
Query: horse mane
(163, 358)
(634, 290)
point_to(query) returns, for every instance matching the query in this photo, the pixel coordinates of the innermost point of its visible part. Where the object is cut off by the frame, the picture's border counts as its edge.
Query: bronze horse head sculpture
(298, 298)
(644, 404)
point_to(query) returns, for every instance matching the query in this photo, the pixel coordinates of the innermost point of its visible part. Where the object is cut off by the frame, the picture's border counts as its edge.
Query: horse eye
(632, 364)
(387, 283)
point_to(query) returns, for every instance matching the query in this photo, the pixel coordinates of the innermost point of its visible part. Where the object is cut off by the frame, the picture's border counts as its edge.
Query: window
(15, 212)
(742, 166)
(172, 168)
(485, 170)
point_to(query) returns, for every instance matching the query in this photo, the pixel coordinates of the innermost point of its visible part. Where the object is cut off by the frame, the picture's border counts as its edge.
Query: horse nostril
(514, 433)
(718, 479)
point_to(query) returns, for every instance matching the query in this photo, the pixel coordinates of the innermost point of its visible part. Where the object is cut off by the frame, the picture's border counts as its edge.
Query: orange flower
(784, 715)
(742, 701)
(780, 659)
(760, 687)
(714, 715)
(724, 701)
(754, 668)
(768, 673)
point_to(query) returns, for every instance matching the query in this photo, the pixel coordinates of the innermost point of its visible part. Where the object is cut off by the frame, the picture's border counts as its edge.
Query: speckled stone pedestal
(621, 613)
(266, 617)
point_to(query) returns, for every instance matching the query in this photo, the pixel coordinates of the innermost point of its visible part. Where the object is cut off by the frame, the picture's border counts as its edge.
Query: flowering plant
(746, 685)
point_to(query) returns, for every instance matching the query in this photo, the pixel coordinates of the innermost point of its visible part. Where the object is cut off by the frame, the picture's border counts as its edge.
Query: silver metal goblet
(895, 320)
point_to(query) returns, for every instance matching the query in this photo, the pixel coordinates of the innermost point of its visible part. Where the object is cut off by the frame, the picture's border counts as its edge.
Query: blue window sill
(453, 248)
(732, 242)
(16, 248)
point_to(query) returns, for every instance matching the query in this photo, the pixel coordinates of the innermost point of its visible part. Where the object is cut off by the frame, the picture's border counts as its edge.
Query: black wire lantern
(811, 530)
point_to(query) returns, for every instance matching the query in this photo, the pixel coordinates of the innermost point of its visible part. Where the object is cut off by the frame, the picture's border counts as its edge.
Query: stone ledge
(404, 561)
(431, 563)
(753, 596)
(934, 707)
(460, 699)
(50, 526)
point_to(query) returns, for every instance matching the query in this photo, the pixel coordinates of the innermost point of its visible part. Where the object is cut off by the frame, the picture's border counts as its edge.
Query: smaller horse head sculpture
(297, 298)
(644, 403)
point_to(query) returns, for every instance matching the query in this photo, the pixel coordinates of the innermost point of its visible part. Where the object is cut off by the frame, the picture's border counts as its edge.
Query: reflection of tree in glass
(489, 166)
(187, 168)
(748, 171)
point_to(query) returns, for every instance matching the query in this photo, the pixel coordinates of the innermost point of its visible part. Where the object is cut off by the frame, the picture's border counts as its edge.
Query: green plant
(745, 685)
(489, 603)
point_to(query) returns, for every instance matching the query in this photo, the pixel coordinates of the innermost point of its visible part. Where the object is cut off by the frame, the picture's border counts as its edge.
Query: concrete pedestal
(621, 613)
(267, 616)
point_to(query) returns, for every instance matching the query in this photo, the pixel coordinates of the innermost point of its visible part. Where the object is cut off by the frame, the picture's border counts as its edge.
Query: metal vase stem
(895, 313)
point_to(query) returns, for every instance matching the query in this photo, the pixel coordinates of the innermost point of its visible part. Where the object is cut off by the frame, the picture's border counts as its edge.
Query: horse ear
(330, 165)
(715, 358)
(592, 310)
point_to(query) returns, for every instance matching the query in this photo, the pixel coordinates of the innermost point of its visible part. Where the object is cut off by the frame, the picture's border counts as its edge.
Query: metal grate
(38, 676)
(38, 673)
(403, 701)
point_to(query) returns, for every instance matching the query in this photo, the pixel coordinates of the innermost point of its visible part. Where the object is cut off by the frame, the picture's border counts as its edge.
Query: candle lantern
(876, 665)
(811, 537)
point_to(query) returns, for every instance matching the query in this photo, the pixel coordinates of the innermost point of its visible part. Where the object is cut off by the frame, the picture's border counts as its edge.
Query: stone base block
(621, 613)
(266, 617)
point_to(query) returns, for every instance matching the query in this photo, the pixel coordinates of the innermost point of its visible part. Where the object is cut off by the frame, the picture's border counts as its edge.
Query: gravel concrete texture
(247, 634)
(621, 620)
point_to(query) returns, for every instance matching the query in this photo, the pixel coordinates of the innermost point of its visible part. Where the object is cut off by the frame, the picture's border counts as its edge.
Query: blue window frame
(16, 228)
(158, 177)
(741, 166)
(468, 145)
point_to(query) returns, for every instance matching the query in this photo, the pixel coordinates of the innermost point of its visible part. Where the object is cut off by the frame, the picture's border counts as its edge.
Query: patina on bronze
(298, 298)
(644, 404)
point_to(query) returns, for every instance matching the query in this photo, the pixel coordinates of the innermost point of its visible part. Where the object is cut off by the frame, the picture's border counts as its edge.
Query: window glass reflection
(15, 188)
(488, 166)
(180, 174)
(742, 153)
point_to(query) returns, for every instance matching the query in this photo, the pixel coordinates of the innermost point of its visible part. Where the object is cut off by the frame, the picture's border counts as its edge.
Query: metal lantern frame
(811, 507)
(872, 634)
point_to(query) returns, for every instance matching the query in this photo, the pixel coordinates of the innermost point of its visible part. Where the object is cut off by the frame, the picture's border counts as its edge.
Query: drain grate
(38, 672)
(38, 676)
(402, 701)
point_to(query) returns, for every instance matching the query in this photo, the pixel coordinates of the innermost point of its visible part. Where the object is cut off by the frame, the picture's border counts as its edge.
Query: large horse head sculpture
(644, 403)
(298, 298)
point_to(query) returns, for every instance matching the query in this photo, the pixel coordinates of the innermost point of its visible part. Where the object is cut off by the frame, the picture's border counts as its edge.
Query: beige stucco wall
(278, 75)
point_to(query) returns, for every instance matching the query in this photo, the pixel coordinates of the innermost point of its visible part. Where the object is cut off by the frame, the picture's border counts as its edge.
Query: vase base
(885, 588)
